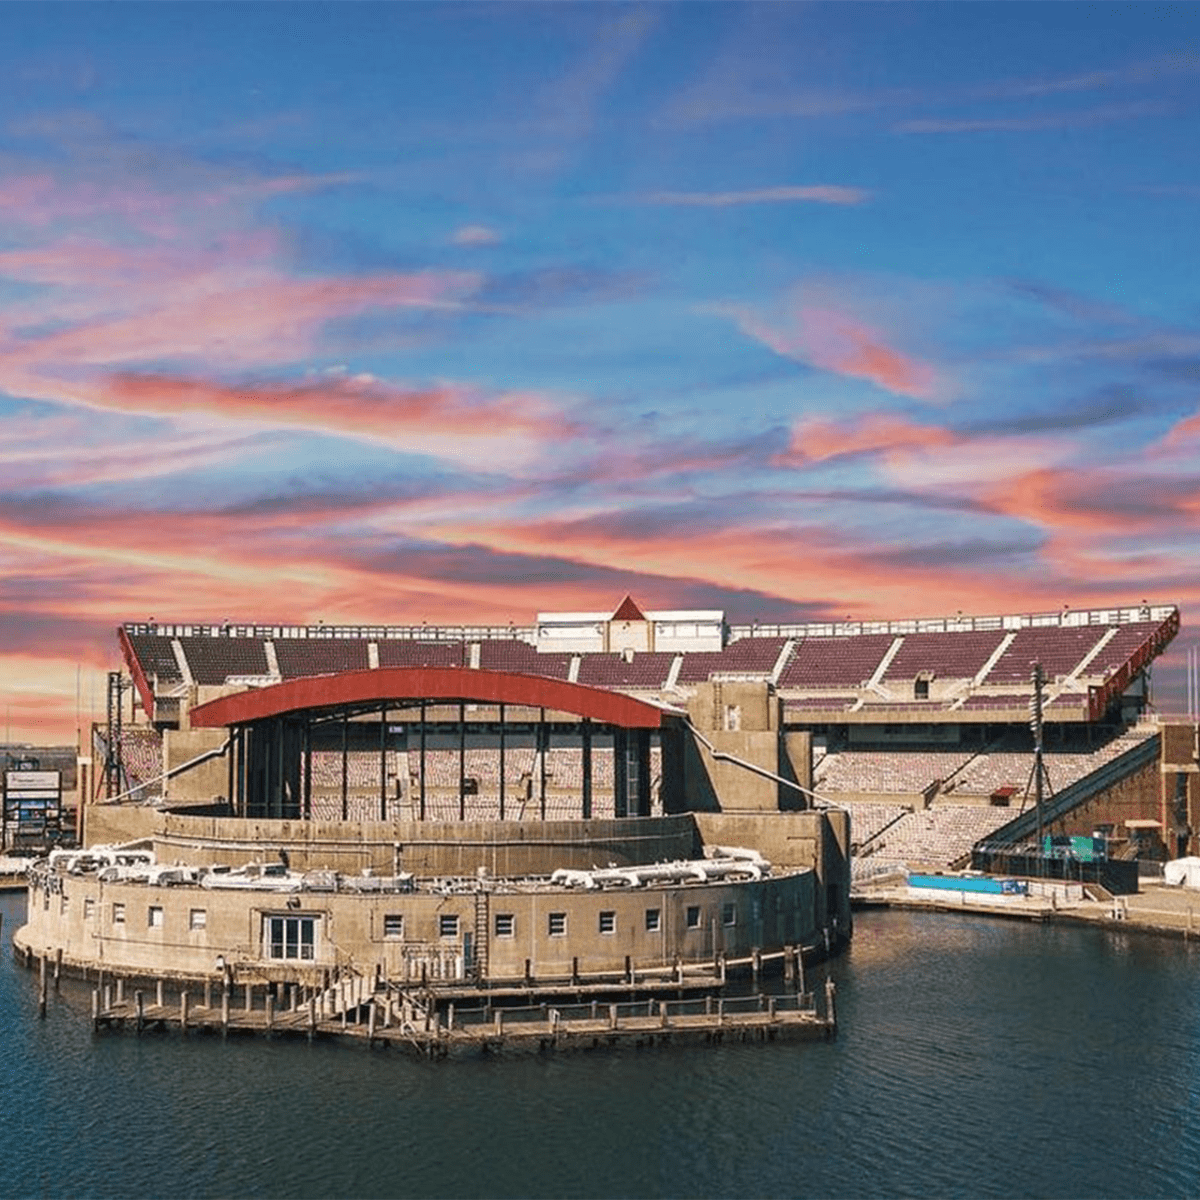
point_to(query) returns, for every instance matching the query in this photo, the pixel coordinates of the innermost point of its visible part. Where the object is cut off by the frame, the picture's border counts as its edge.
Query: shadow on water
(977, 1057)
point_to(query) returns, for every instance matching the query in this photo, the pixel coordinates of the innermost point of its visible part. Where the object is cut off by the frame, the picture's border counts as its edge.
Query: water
(977, 1058)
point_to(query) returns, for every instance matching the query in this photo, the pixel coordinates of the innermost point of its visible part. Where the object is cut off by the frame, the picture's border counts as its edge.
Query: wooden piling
(42, 987)
(249, 996)
(830, 1005)
(183, 1011)
(208, 993)
(755, 963)
(139, 1002)
(107, 997)
(224, 1010)
(312, 1017)
(612, 1016)
(450, 1016)
(57, 967)
(158, 993)
(270, 1012)
(662, 1013)
(120, 990)
(371, 1023)
(498, 1023)
(95, 1008)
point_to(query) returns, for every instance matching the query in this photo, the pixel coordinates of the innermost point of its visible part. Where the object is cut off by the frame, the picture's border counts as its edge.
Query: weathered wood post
(108, 997)
(450, 1017)
(312, 1017)
(270, 1013)
(139, 1003)
(95, 1008)
(756, 964)
(207, 993)
(371, 1023)
(158, 993)
(612, 1016)
(249, 996)
(183, 1011)
(42, 987)
(662, 1013)
(498, 1023)
(771, 1008)
(224, 1012)
(57, 967)
(120, 990)
(830, 1005)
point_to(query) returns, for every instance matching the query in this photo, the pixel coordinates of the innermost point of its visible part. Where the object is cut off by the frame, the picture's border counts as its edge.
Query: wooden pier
(395, 1018)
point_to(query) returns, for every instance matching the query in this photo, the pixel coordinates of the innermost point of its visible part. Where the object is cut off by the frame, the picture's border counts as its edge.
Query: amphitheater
(470, 767)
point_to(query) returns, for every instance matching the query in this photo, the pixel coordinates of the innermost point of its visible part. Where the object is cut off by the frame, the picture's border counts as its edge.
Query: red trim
(628, 610)
(136, 673)
(427, 683)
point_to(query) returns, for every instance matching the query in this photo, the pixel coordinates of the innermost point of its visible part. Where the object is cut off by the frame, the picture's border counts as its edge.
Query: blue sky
(457, 312)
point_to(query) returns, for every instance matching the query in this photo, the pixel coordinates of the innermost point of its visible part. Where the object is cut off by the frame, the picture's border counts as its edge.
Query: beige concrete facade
(537, 931)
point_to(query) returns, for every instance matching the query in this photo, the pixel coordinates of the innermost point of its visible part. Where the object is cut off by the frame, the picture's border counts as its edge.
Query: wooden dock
(394, 1018)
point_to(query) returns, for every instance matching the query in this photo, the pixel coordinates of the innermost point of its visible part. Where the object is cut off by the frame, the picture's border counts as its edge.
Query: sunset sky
(386, 313)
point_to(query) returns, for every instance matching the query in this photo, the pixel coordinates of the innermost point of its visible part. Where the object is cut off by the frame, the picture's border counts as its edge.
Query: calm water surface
(977, 1058)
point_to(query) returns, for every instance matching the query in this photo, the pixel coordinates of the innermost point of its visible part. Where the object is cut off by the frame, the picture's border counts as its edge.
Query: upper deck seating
(830, 662)
(156, 657)
(299, 657)
(519, 657)
(647, 670)
(749, 655)
(945, 655)
(403, 652)
(212, 660)
(1121, 647)
(1059, 649)
(896, 770)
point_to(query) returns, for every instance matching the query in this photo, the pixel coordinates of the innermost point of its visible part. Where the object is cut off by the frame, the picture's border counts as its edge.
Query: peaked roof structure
(628, 610)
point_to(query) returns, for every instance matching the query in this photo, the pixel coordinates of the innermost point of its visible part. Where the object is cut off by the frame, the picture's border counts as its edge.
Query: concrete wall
(813, 840)
(425, 848)
(200, 783)
(694, 922)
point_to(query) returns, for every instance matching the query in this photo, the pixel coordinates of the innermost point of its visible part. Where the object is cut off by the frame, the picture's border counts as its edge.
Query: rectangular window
(608, 922)
(89, 908)
(558, 924)
(290, 937)
(653, 919)
(729, 914)
(118, 914)
(154, 916)
(198, 918)
(693, 916)
(448, 925)
(62, 905)
(506, 925)
(393, 925)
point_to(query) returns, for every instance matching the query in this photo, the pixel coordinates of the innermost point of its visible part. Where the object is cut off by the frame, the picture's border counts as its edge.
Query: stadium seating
(835, 661)
(156, 657)
(950, 656)
(212, 660)
(402, 652)
(647, 670)
(300, 657)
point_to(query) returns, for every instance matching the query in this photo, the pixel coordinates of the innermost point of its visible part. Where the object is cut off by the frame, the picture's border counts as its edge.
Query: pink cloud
(833, 341)
(816, 439)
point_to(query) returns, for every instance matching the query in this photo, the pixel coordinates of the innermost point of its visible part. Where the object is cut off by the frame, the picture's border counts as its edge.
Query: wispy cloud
(843, 344)
(787, 194)
(475, 235)
(1083, 118)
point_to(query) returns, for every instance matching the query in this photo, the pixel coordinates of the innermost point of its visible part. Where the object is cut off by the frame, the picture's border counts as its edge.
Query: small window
(693, 916)
(729, 914)
(118, 912)
(290, 937)
(558, 924)
(608, 922)
(62, 905)
(198, 918)
(154, 916)
(448, 925)
(653, 919)
(506, 925)
(393, 925)
(89, 908)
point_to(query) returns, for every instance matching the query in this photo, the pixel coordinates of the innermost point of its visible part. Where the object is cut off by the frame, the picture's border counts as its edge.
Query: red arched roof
(439, 684)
